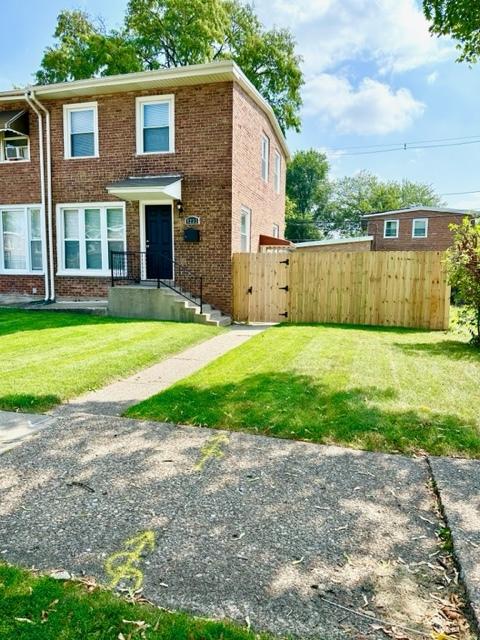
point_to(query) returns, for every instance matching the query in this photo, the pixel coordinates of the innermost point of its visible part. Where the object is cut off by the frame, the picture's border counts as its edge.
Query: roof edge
(466, 212)
(227, 67)
(320, 243)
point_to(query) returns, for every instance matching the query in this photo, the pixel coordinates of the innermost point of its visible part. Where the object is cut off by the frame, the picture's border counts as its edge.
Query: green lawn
(41, 608)
(48, 357)
(371, 388)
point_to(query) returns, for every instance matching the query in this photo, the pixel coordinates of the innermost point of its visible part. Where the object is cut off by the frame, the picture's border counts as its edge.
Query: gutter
(42, 182)
(49, 193)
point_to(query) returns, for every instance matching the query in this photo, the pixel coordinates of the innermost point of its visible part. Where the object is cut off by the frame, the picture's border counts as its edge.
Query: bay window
(21, 244)
(87, 236)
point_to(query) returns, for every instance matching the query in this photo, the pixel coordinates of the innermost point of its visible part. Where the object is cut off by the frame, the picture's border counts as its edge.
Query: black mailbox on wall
(191, 235)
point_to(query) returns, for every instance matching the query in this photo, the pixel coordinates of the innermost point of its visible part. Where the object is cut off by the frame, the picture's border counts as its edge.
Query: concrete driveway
(289, 537)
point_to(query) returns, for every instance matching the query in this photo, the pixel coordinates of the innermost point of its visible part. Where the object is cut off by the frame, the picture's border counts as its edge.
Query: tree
(307, 192)
(459, 19)
(168, 33)
(354, 196)
(463, 263)
(299, 226)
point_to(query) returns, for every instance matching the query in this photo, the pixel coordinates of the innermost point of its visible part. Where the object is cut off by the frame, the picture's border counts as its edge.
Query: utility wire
(406, 147)
(401, 144)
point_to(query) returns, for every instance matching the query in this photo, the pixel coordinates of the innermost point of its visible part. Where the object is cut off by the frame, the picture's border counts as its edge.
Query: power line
(401, 144)
(406, 147)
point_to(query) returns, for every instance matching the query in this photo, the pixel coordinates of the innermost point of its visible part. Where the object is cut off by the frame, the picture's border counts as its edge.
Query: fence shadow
(287, 405)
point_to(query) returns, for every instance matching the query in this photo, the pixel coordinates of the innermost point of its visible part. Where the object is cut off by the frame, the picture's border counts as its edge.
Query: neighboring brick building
(136, 160)
(363, 243)
(412, 229)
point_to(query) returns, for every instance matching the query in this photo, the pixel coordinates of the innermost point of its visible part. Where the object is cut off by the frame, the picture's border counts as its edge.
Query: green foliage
(41, 608)
(307, 194)
(354, 196)
(168, 33)
(298, 226)
(459, 19)
(463, 262)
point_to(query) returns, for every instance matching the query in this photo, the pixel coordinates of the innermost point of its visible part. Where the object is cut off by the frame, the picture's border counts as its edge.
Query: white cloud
(432, 77)
(372, 108)
(393, 34)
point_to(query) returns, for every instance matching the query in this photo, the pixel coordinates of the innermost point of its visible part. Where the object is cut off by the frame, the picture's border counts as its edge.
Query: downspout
(49, 193)
(42, 179)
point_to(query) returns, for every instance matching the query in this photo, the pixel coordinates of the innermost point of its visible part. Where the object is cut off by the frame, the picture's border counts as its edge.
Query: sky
(373, 76)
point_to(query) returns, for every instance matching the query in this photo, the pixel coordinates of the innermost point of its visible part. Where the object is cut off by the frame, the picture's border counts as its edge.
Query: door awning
(14, 122)
(161, 187)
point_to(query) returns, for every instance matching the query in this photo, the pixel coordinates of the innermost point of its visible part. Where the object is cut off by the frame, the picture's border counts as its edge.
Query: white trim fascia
(320, 243)
(395, 237)
(139, 102)
(87, 273)
(225, 69)
(79, 106)
(466, 212)
(414, 237)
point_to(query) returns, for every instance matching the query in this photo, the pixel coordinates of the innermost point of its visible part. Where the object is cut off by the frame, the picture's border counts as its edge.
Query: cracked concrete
(116, 397)
(245, 527)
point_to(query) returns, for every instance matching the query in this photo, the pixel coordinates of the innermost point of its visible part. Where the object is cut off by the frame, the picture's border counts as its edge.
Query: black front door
(158, 232)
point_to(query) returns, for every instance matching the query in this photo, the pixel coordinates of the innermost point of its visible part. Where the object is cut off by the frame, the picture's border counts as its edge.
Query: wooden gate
(391, 288)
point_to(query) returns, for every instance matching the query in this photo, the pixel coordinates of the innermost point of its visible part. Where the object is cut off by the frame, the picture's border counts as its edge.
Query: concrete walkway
(116, 397)
(15, 428)
(290, 537)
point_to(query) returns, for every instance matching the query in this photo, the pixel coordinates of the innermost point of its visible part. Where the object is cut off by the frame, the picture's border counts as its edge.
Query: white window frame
(139, 103)
(246, 211)
(397, 222)
(265, 159)
(81, 206)
(67, 140)
(425, 220)
(275, 230)
(3, 157)
(277, 171)
(24, 208)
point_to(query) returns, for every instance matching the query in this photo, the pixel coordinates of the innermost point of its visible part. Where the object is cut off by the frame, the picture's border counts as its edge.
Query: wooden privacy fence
(391, 288)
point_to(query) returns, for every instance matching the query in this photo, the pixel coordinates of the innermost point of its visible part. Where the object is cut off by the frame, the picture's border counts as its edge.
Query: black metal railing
(157, 269)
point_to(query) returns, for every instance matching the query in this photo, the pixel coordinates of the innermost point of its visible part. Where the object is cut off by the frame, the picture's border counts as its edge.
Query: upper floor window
(14, 147)
(420, 228)
(277, 172)
(80, 124)
(245, 222)
(390, 229)
(21, 239)
(155, 124)
(87, 236)
(265, 157)
(276, 231)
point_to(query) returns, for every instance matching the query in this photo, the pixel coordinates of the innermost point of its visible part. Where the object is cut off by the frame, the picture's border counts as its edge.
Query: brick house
(186, 163)
(412, 229)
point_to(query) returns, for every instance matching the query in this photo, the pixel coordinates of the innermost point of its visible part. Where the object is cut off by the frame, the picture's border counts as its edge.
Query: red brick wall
(213, 122)
(249, 189)
(23, 284)
(439, 235)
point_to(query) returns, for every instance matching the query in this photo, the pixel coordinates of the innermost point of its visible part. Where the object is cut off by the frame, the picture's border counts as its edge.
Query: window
(88, 235)
(420, 228)
(245, 218)
(80, 130)
(265, 157)
(155, 124)
(277, 172)
(14, 147)
(390, 229)
(21, 239)
(276, 231)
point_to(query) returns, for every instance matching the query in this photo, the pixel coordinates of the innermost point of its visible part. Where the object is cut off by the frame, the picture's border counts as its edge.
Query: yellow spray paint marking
(123, 565)
(211, 449)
